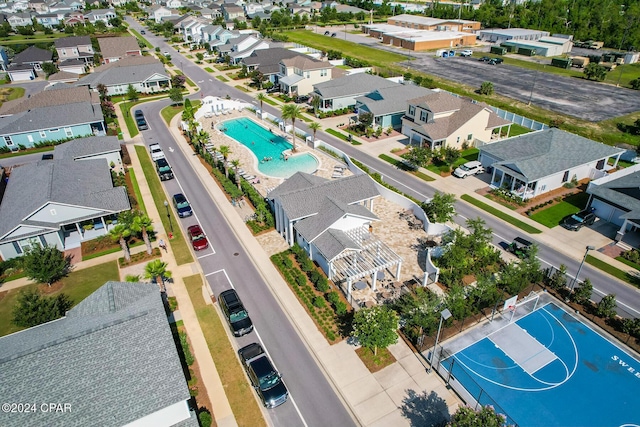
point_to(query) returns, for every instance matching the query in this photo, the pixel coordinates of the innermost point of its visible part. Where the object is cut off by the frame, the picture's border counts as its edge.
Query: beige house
(440, 119)
(298, 74)
(113, 49)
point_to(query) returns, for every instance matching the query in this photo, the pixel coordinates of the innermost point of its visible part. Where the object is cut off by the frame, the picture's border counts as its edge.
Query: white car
(156, 152)
(469, 168)
(466, 52)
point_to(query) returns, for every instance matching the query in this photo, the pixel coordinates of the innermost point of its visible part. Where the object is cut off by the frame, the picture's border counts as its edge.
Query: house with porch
(114, 49)
(441, 119)
(342, 92)
(75, 47)
(158, 12)
(616, 199)
(100, 15)
(245, 45)
(330, 220)
(267, 61)
(389, 104)
(57, 113)
(34, 57)
(145, 73)
(60, 202)
(538, 162)
(299, 74)
(111, 358)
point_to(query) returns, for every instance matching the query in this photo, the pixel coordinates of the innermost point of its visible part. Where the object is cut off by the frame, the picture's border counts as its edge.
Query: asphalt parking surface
(576, 97)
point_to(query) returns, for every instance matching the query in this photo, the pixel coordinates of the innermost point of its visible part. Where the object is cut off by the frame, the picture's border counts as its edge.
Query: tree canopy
(33, 309)
(45, 264)
(375, 327)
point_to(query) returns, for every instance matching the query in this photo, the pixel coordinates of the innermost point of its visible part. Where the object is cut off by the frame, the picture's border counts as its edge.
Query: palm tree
(315, 127)
(315, 103)
(236, 165)
(119, 233)
(292, 112)
(225, 151)
(157, 269)
(261, 97)
(143, 224)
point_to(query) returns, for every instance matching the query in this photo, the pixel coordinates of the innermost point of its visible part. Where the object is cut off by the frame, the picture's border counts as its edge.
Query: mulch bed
(375, 363)
(140, 257)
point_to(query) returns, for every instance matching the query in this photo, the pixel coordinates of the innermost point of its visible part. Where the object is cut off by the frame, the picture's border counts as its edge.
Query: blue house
(57, 113)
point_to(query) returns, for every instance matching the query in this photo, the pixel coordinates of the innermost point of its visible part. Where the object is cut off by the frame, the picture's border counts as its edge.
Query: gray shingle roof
(352, 85)
(112, 358)
(84, 147)
(391, 100)
(333, 242)
(72, 41)
(33, 54)
(57, 94)
(86, 184)
(539, 154)
(117, 47)
(304, 62)
(623, 192)
(268, 60)
(125, 71)
(52, 117)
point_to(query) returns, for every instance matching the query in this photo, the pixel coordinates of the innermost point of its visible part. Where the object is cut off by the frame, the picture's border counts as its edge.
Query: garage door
(607, 212)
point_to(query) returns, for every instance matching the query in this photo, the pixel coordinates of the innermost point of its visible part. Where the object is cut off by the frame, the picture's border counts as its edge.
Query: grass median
(240, 394)
(403, 166)
(615, 272)
(502, 215)
(178, 244)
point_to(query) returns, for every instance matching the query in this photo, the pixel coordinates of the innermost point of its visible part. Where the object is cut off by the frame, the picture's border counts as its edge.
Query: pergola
(373, 256)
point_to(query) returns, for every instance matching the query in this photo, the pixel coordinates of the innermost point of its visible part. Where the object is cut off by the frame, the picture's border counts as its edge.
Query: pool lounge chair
(337, 175)
(250, 177)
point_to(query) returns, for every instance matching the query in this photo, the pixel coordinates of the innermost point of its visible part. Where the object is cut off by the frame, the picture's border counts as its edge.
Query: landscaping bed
(104, 245)
(139, 258)
(375, 362)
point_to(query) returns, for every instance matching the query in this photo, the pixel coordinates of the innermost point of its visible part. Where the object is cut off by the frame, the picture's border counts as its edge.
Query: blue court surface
(549, 369)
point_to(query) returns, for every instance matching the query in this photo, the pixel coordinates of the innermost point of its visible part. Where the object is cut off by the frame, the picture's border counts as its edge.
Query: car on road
(163, 169)
(519, 247)
(469, 168)
(198, 239)
(466, 52)
(576, 221)
(138, 114)
(182, 205)
(334, 34)
(156, 152)
(142, 124)
(326, 33)
(47, 156)
(265, 379)
(484, 59)
(495, 61)
(235, 313)
(143, 32)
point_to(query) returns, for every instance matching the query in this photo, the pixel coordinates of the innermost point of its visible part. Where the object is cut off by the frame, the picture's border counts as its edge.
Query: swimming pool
(266, 145)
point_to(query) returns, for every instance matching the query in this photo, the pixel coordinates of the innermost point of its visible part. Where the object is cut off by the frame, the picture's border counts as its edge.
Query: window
(30, 138)
(8, 141)
(423, 116)
(43, 134)
(53, 130)
(458, 140)
(469, 137)
(53, 212)
(63, 52)
(17, 248)
(565, 177)
(68, 132)
(412, 110)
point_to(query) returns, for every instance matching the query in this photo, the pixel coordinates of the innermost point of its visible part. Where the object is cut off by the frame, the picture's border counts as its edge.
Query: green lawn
(502, 215)
(169, 112)
(242, 88)
(236, 387)
(615, 272)
(270, 101)
(222, 78)
(516, 130)
(208, 69)
(178, 244)
(552, 216)
(403, 166)
(136, 189)
(78, 285)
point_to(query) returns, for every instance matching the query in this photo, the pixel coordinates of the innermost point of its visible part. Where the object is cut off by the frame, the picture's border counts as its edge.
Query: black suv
(182, 205)
(576, 221)
(163, 169)
(264, 377)
(235, 313)
(519, 247)
(495, 61)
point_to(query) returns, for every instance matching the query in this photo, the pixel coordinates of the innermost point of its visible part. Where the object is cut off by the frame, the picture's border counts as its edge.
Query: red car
(198, 239)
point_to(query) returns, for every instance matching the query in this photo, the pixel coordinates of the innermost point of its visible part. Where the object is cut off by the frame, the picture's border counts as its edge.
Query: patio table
(360, 285)
(380, 275)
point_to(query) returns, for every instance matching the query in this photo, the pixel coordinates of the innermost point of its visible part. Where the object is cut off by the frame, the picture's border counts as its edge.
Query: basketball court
(545, 368)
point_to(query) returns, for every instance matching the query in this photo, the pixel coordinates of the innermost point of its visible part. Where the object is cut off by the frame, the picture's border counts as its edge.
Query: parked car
(142, 124)
(235, 313)
(576, 221)
(143, 32)
(519, 247)
(469, 168)
(334, 34)
(198, 239)
(274, 89)
(484, 59)
(47, 156)
(495, 61)
(156, 152)
(466, 52)
(265, 379)
(301, 99)
(182, 205)
(326, 33)
(163, 169)
(138, 114)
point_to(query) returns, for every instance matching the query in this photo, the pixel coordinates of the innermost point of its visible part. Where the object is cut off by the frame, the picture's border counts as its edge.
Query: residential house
(74, 18)
(4, 59)
(20, 19)
(175, 4)
(441, 119)
(111, 358)
(48, 20)
(243, 46)
(145, 73)
(21, 72)
(27, 63)
(299, 74)
(341, 93)
(74, 48)
(330, 220)
(267, 61)
(231, 11)
(113, 49)
(538, 162)
(38, 6)
(616, 199)
(388, 105)
(191, 28)
(100, 15)
(158, 12)
(61, 202)
(70, 4)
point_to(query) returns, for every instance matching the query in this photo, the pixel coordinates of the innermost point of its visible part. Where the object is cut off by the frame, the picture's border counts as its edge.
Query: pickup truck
(264, 378)
(156, 152)
(164, 170)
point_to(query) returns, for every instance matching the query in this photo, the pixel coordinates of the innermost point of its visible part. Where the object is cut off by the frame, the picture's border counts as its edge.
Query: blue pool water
(591, 383)
(265, 144)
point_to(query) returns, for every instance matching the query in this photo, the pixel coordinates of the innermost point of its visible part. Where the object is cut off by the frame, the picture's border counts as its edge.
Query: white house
(538, 162)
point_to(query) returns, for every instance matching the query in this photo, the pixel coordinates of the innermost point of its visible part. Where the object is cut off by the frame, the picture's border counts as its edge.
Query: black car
(484, 59)
(48, 156)
(519, 247)
(182, 205)
(235, 313)
(138, 114)
(142, 124)
(265, 379)
(495, 61)
(576, 221)
(334, 34)
(326, 33)
(274, 89)
(301, 99)
(164, 170)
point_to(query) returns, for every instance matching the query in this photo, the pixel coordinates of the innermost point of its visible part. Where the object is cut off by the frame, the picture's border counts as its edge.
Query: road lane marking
(206, 255)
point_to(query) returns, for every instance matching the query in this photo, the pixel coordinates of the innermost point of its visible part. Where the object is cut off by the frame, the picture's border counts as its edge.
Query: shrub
(301, 279)
(188, 356)
(319, 302)
(322, 285)
(205, 418)
(307, 265)
(286, 261)
(333, 297)
(341, 308)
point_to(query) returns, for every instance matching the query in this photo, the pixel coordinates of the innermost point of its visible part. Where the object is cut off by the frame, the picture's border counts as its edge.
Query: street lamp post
(166, 205)
(575, 279)
(444, 315)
